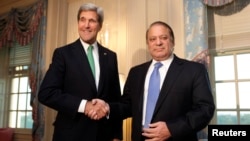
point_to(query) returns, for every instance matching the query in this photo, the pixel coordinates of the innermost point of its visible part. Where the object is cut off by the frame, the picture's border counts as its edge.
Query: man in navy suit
(185, 103)
(69, 84)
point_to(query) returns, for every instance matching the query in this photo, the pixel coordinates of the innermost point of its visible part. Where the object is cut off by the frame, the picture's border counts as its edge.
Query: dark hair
(165, 25)
(91, 7)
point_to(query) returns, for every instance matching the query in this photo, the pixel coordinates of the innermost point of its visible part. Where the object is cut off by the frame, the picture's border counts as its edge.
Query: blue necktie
(153, 93)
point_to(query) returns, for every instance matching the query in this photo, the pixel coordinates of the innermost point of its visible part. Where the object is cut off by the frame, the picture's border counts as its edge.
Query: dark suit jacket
(185, 102)
(69, 80)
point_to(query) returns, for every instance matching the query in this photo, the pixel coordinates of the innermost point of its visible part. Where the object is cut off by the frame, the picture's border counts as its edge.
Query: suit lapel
(174, 70)
(83, 62)
(103, 55)
(142, 73)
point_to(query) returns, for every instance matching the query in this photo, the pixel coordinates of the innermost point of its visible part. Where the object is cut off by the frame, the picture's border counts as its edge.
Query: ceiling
(7, 5)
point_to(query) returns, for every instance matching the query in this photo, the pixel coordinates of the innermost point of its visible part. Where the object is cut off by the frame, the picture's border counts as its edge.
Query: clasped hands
(96, 109)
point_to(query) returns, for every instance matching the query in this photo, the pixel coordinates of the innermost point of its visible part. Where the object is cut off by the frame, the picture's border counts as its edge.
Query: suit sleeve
(116, 95)
(51, 91)
(201, 103)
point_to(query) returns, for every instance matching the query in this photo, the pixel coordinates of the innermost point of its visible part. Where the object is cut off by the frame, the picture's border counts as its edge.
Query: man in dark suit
(185, 103)
(70, 84)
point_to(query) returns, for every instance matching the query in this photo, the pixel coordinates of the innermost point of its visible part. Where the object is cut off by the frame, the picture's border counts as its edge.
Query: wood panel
(22, 137)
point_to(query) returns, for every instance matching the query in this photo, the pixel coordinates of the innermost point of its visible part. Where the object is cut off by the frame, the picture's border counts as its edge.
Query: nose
(86, 23)
(158, 41)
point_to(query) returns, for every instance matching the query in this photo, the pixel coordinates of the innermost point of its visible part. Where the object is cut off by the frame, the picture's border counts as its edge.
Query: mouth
(86, 31)
(159, 49)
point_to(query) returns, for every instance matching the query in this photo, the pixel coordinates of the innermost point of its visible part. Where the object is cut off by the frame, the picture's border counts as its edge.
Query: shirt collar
(166, 62)
(86, 45)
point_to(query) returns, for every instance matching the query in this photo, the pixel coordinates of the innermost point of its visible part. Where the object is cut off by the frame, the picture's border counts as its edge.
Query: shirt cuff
(82, 106)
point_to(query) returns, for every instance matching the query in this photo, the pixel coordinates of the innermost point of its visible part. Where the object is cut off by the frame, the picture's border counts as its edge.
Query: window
(19, 111)
(232, 87)
(20, 115)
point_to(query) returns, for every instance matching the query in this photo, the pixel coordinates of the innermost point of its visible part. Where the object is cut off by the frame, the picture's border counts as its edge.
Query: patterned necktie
(91, 59)
(153, 93)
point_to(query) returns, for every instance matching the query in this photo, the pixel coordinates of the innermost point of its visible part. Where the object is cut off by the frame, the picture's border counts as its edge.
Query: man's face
(88, 26)
(159, 42)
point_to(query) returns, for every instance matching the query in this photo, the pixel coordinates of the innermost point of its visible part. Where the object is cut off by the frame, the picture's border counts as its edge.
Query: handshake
(96, 109)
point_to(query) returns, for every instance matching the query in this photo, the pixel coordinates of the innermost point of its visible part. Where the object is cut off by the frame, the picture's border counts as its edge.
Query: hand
(99, 110)
(157, 131)
(96, 109)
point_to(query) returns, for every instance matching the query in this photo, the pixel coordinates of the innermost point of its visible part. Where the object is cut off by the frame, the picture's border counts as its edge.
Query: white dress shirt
(163, 71)
(97, 70)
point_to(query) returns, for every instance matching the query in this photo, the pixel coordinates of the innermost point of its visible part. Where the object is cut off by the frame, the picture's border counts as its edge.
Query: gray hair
(92, 7)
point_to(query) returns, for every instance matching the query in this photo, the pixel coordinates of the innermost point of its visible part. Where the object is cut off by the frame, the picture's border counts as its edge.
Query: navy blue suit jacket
(69, 80)
(185, 102)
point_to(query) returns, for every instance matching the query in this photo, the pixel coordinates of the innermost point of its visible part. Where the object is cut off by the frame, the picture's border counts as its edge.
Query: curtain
(28, 25)
(196, 25)
(37, 70)
(196, 32)
(216, 3)
(20, 24)
(196, 37)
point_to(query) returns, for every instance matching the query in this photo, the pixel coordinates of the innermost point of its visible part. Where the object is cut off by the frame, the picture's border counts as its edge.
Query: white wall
(127, 22)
